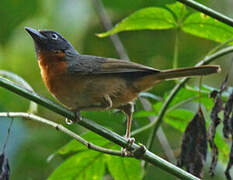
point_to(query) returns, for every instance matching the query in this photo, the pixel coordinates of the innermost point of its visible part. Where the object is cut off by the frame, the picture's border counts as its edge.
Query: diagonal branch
(210, 12)
(61, 128)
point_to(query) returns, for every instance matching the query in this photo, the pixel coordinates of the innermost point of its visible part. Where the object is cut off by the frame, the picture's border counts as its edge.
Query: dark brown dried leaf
(215, 120)
(213, 94)
(4, 167)
(227, 125)
(194, 146)
(230, 162)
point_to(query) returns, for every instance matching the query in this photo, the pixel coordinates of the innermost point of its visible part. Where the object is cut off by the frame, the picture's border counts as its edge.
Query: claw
(68, 121)
(77, 119)
(131, 141)
(78, 116)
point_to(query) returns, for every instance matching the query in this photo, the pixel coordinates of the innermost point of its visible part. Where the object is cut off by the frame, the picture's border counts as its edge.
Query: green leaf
(75, 146)
(152, 18)
(124, 168)
(179, 118)
(141, 114)
(178, 9)
(204, 26)
(86, 165)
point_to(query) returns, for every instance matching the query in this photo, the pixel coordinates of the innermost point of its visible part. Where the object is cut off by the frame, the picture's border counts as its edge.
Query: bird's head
(51, 42)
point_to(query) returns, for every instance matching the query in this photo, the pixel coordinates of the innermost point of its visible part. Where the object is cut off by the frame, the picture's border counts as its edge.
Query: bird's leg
(128, 109)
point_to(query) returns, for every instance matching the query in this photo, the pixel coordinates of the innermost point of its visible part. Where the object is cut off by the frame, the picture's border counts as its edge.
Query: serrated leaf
(201, 25)
(178, 9)
(152, 18)
(124, 168)
(83, 166)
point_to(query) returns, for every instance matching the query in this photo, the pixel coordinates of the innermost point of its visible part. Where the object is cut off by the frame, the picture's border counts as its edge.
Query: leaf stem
(176, 49)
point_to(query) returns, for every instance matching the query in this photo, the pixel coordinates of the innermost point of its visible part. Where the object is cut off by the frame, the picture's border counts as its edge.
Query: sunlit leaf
(152, 18)
(74, 146)
(204, 26)
(140, 114)
(124, 168)
(178, 9)
(86, 165)
(179, 118)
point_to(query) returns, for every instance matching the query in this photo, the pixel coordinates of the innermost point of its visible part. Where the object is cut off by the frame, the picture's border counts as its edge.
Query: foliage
(76, 161)
(174, 16)
(89, 164)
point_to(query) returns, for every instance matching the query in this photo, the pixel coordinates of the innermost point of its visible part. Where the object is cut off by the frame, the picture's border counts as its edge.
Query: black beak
(36, 35)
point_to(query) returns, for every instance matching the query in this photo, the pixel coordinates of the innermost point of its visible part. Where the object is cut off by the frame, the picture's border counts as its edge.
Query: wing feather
(85, 64)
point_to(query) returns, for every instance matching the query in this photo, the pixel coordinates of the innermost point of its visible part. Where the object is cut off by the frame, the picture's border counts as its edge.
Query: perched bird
(91, 83)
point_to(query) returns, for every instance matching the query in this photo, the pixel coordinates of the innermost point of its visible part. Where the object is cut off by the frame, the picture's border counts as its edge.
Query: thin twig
(210, 12)
(7, 136)
(61, 128)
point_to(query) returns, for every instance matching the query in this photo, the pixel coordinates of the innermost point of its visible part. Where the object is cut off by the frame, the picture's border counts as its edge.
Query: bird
(91, 83)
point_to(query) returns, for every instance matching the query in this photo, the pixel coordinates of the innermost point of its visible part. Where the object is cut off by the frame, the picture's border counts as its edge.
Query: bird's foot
(78, 118)
(127, 151)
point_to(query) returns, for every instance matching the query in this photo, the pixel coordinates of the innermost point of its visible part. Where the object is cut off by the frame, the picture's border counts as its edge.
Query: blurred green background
(31, 143)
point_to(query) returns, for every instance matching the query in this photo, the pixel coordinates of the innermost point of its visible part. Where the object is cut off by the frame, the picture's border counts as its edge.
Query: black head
(46, 40)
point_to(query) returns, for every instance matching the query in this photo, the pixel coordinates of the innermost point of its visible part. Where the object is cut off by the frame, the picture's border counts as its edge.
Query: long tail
(185, 72)
(149, 81)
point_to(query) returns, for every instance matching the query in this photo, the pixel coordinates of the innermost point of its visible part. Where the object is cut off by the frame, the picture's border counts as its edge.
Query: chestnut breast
(55, 76)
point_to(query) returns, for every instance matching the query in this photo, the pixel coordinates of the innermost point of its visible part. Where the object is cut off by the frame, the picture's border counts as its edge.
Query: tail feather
(149, 81)
(186, 72)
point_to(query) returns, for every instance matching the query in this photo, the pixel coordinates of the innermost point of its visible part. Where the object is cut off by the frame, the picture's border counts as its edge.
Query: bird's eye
(54, 36)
